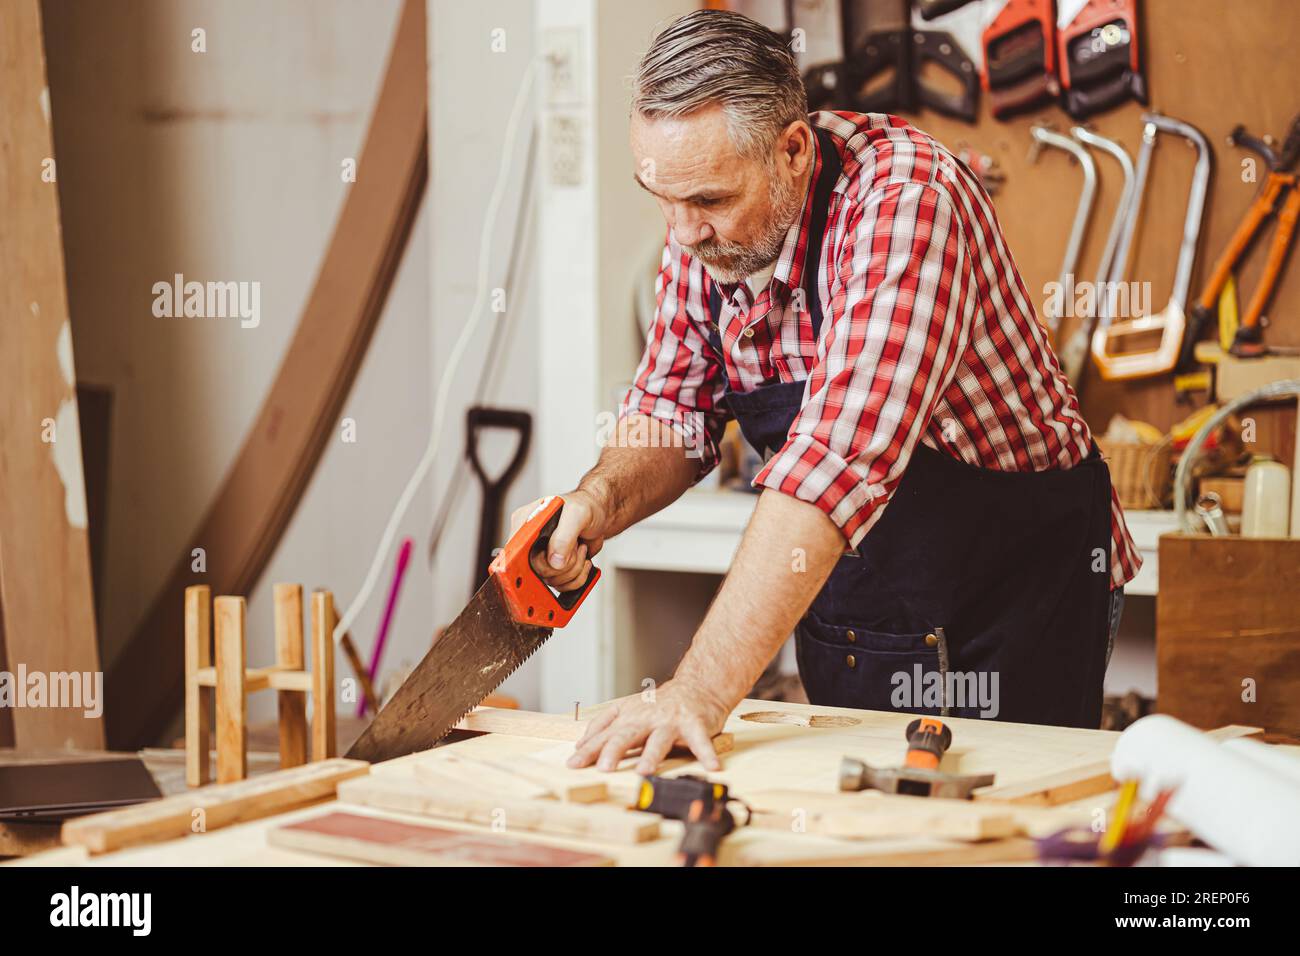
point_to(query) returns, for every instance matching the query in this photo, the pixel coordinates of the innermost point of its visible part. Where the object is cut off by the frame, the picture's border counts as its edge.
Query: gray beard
(731, 262)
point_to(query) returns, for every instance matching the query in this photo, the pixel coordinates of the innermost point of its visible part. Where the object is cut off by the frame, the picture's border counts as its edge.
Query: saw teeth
(503, 679)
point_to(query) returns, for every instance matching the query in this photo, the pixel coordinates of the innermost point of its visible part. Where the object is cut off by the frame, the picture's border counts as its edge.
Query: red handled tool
(510, 617)
(1020, 57)
(1097, 49)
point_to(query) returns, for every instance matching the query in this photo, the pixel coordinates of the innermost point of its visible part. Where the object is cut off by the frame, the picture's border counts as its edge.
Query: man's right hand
(577, 539)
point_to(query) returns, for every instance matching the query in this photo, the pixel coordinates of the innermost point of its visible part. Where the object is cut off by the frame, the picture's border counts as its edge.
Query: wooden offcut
(47, 615)
(212, 807)
(398, 843)
(453, 801)
(863, 816)
(262, 488)
(526, 723)
(522, 779)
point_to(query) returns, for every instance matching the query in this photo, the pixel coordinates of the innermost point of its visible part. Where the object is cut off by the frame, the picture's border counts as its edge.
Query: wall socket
(564, 149)
(564, 85)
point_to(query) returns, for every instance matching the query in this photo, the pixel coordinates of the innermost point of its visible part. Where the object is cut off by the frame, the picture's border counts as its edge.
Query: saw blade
(476, 652)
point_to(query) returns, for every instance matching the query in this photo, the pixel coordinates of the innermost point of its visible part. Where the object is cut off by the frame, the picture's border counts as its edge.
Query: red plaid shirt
(928, 335)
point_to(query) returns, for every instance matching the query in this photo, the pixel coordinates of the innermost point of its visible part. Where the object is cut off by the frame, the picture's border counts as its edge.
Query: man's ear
(794, 147)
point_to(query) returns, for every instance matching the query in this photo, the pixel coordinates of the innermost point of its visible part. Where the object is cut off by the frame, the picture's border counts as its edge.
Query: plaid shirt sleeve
(900, 316)
(680, 380)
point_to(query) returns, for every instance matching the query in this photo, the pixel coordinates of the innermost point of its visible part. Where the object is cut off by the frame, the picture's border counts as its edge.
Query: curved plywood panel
(251, 509)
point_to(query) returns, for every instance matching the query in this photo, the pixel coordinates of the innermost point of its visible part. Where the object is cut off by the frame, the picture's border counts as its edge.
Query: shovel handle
(529, 598)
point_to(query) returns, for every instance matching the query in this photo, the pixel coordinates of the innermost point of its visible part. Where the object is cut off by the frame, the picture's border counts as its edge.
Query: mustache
(712, 250)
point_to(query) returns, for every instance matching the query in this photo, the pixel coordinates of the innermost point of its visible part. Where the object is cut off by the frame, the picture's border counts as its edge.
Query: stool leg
(198, 700)
(323, 620)
(232, 703)
(289, 653)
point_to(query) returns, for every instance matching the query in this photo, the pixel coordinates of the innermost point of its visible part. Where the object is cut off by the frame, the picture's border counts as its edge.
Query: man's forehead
(687, 152)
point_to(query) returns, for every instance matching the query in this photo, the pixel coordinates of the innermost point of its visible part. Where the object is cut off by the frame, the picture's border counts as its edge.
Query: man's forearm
(642, 469)
(786, 555)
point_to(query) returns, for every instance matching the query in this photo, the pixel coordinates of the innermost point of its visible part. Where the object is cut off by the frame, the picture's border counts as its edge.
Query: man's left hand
(675, 713)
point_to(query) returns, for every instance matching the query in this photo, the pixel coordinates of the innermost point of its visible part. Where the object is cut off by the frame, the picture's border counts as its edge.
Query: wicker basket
(1141, 474)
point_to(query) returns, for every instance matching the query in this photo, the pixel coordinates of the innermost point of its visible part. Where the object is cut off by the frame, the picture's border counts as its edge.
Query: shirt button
(851, 661)
(931, 640)
(851, 636)
(749, 333)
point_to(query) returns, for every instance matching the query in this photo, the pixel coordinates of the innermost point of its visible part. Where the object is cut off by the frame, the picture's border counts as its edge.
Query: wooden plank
(522, 778)
(290, 653)
(212, 807)
(1228, 632)
(863, 816)
(47, 615)
(398, 843)
(198, 699)
(232, 699)
(1076, 783)
(912, 852)
(527, 723)
(1050, 790)
(263, 486)
(324, 734)
(449, 774)
(454, 802)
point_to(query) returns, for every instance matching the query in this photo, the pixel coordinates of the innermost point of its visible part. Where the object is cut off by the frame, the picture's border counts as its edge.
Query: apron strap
(826, 179)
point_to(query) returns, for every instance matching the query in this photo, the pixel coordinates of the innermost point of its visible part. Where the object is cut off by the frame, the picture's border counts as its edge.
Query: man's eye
(708, 202)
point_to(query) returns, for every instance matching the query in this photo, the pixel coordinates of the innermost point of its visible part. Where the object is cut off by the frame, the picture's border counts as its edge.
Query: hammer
(927, 740)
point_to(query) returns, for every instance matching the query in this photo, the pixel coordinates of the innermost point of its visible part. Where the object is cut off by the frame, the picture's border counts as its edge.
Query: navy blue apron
(978, 593)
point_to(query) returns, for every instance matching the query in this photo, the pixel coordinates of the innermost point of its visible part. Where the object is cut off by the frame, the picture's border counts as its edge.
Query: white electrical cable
(509, 149)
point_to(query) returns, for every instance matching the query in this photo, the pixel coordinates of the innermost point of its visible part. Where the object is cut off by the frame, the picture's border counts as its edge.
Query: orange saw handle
(528, 598)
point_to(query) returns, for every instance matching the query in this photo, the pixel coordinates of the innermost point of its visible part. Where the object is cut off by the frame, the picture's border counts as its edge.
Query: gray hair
(717, 57)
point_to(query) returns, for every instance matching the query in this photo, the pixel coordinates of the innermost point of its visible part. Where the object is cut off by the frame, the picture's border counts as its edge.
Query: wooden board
(865, 816)
(802, 754)
(522, 778)
(450, 799)
(1227, 630)
(525, 723)
(47, 616)
(210, 808)
(397, 843)
(263, 486)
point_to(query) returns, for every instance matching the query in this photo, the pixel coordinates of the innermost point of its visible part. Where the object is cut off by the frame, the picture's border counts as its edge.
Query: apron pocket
(848, 666)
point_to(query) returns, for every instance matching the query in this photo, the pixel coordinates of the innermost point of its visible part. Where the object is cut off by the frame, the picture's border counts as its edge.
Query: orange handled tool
(927, 741)
(528, 598)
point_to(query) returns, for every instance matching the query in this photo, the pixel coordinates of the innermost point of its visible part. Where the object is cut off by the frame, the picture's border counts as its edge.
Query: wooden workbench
(788, 747)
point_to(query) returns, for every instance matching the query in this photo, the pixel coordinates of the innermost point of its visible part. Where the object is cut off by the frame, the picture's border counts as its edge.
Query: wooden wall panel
(1228, 615)
(46, 607)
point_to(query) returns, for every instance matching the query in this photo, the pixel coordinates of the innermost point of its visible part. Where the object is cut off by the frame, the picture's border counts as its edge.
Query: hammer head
(911, 781)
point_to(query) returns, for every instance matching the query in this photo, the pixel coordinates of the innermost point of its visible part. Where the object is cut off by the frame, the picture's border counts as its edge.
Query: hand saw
(510, 617)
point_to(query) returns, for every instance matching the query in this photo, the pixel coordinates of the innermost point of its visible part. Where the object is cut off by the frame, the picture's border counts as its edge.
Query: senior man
(932, 504)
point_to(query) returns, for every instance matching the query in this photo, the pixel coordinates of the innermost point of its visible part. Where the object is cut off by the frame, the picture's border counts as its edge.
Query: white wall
(472, 90)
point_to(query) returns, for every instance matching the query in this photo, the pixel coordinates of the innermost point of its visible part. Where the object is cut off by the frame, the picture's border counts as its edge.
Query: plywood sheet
(47, 617)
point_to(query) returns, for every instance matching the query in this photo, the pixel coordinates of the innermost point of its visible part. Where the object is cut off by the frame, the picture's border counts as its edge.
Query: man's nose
(690, 228)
